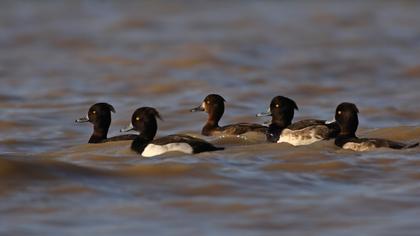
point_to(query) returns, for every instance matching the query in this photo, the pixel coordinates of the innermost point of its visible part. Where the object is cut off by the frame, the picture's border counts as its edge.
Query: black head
(99, 113)
(214, 105)
(100, 116)
(144, 121)
(347, 118)
(282, 109)
(144, 116)
(283, 105)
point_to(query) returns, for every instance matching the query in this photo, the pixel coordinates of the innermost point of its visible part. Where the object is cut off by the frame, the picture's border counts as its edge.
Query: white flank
(360, 147)
(304, 136)
(155, 150)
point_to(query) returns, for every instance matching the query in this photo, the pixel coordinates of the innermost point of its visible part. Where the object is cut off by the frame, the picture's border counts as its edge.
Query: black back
(326, 131)
(241, 128)
(198, 145)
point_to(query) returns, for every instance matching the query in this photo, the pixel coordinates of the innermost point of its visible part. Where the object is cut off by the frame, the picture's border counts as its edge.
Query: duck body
(234, 129)
(177, 143)
(214, 105)
(346, 116)
(144, 121)
(366, 144)
(304, 132)
(355, 144)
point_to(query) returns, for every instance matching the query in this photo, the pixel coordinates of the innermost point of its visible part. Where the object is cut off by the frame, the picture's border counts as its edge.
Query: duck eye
(277, 105)
(137, 118)
(339, 112)
(208, 102)
(93, 112)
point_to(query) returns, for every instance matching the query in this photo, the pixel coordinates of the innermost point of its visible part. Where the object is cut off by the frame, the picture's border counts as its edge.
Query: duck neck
(139, 144)
(278, 123)
(100, 132)
(344, 134)
(145, 137)
(344, 137)
(274, 130)
(212, 122)
(281, 121)
(349, 127)
(209, 127)
(149, 133)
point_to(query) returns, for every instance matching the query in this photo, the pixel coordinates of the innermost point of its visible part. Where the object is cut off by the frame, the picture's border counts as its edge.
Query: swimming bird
(214, 105)
(304, 132)
(99, 115)
(346, 116)
(144, 121)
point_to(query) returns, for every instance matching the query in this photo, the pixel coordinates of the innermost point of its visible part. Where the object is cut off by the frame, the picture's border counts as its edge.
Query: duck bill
(82, 120)
(198, 109)
(330, 121)
(127, 129)
(262, 114)
(267, 122)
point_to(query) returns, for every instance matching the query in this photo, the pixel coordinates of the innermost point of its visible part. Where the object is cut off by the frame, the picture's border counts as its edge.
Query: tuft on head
(103, 106)
(214, 98)
(347, 107)
(147, 112)
(110, 107)
(153, 112)
(144, 121)
(283, 103)
(100, 114)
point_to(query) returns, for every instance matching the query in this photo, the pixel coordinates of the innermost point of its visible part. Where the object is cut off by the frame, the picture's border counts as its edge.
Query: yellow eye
(277, 105)
(93, 112)
(339, 112)
(137, 118)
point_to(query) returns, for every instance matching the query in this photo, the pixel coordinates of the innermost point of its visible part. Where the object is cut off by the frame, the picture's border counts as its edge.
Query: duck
(304, 132)
(214, 105)
(99, 115)
(346, 115)
(144, 121)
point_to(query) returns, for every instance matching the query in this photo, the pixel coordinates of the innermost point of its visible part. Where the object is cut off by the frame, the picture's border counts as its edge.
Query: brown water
(59, 57)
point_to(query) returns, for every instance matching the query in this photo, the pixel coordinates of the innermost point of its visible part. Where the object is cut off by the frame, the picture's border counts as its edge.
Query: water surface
(59, 57)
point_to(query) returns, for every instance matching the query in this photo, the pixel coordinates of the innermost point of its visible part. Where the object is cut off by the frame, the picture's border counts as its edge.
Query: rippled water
(59, 57)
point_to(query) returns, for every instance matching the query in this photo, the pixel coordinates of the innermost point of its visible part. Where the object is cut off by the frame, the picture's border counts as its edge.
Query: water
(59, 57)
